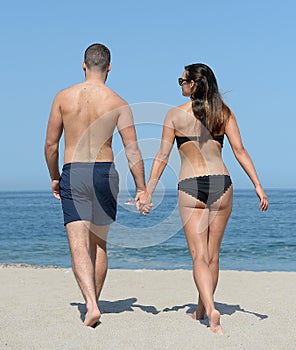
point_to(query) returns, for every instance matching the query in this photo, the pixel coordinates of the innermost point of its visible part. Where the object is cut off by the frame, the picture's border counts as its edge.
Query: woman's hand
(263, 198)
(143, 201)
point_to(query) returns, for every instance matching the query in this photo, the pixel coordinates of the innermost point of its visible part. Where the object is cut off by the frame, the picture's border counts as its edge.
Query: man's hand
(143, 202)
(55, 189)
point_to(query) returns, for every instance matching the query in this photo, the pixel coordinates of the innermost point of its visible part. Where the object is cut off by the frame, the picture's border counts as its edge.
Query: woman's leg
(219, 215)
(218, 218)
(195, 223)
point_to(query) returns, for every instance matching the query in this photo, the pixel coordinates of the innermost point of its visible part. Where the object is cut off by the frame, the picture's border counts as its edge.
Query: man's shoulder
(70, 88)
(106, 94)
(117, 98)
(60, 95)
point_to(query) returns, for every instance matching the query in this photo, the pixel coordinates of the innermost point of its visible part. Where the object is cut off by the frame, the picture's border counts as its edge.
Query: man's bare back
(89, 112)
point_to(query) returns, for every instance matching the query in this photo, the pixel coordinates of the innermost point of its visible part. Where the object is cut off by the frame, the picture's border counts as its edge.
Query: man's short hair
(97, 57)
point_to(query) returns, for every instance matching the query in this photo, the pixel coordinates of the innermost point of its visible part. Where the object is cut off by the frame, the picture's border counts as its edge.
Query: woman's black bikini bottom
(208, 188)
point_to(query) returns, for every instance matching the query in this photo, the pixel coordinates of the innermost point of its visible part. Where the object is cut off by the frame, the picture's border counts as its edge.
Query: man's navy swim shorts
(89, 192)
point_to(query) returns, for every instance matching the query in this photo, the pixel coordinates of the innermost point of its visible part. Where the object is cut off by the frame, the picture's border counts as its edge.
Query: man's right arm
(126, 129)
(53, 135)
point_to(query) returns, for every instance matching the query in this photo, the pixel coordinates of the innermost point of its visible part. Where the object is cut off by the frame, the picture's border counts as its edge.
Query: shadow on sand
(128, 305)
(117, 307)
(224, 309)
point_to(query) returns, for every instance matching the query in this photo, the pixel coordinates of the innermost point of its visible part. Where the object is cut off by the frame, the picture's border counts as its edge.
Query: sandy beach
(41, 308)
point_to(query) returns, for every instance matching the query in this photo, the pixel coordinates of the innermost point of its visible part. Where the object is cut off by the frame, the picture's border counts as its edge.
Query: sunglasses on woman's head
(181, 81)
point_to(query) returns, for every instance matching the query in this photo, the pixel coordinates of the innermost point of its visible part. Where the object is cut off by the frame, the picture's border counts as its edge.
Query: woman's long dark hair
(207, 103)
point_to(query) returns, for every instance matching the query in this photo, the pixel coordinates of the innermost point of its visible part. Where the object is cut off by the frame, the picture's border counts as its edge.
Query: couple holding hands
(87, 114)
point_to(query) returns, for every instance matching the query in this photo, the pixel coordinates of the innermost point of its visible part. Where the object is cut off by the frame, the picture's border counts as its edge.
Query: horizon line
(156, 191)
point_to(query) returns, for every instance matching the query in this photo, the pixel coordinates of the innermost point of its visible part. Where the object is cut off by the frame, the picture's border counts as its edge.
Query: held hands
(55, 189)
(263, 198)
(143, 202)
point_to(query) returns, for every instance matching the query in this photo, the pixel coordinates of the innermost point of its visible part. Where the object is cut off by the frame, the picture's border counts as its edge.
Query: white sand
(144, 309)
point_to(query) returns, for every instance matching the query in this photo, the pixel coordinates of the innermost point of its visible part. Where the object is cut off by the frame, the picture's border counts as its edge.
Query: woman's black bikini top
(182, 139)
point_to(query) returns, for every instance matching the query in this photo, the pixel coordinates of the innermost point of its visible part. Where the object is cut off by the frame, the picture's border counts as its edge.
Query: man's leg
(98, 248)
(83, 268)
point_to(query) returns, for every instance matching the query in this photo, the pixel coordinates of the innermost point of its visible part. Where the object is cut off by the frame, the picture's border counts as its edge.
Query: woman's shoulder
(182, 109)
(185, 107)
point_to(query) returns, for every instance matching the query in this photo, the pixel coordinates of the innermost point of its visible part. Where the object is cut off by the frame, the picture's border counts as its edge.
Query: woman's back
(200, 151)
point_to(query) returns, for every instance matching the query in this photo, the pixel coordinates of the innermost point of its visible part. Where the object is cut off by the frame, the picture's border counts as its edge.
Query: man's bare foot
(214, 320)
(92, 317)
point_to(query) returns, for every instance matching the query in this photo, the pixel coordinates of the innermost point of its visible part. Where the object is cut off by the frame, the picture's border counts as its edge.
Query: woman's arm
(160, 161)
(233, 134)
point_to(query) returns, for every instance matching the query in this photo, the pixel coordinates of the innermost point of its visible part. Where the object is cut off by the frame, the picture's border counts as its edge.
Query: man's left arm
(53, 135)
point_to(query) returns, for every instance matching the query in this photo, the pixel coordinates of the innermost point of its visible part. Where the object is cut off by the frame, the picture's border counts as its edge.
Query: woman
(205, 187)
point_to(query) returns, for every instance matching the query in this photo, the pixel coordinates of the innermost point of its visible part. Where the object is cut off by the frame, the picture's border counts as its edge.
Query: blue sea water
(32, 232)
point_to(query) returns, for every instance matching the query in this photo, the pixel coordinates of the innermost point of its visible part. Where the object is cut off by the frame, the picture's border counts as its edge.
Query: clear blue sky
(250, 45)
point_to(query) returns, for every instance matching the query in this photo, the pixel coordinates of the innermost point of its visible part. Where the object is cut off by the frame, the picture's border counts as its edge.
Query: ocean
(32, 232)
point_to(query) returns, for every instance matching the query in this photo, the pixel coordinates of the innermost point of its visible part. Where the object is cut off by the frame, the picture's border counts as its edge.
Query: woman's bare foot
(214, 320)
(199, 313)
(92, 317)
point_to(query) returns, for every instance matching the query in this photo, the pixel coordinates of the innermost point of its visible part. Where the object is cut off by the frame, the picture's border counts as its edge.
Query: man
(88, 113)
